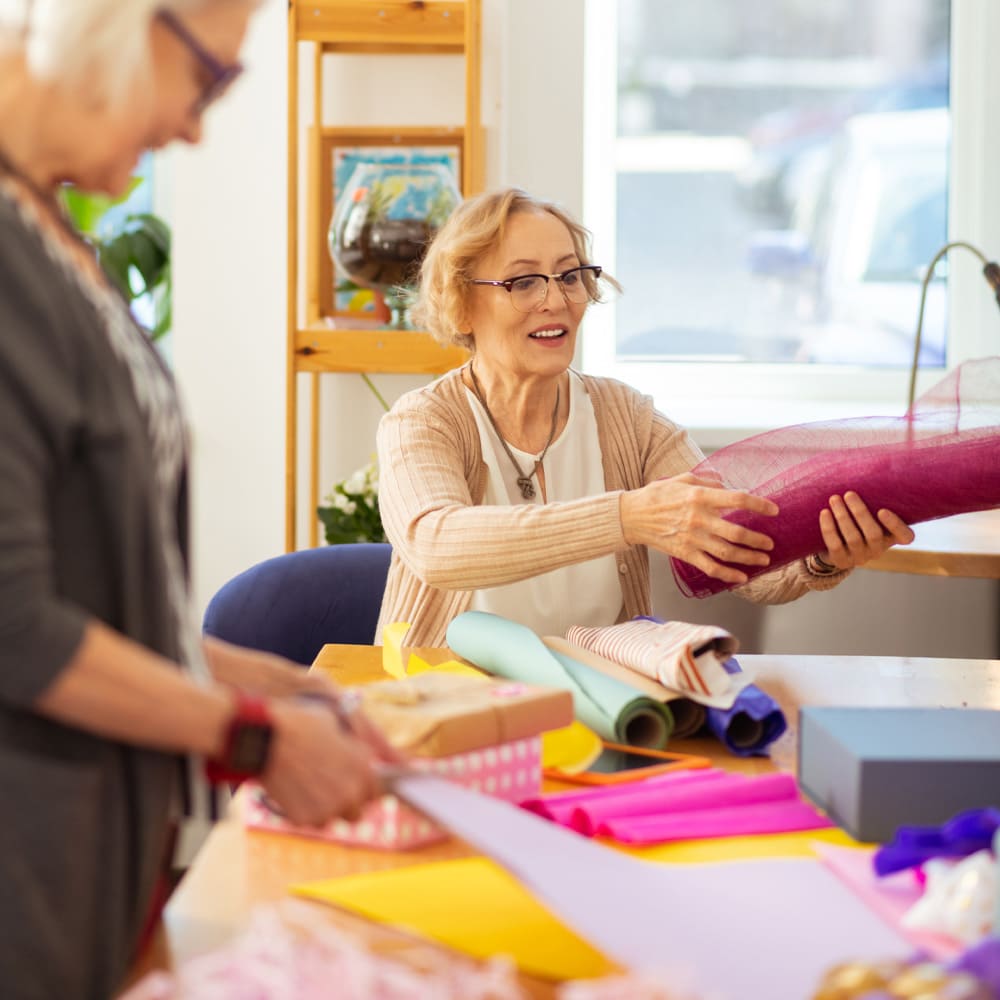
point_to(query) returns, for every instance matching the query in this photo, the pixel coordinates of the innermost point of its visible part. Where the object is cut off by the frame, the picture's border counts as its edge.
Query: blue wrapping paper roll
(753, 723)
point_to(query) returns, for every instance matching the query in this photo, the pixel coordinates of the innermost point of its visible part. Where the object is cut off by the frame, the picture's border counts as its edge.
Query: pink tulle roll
(942, 458)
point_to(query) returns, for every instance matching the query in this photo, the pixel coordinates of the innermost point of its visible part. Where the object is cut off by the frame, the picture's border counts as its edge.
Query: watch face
(250, 745)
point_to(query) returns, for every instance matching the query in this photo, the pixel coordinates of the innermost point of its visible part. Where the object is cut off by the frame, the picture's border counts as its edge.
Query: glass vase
(383, 222)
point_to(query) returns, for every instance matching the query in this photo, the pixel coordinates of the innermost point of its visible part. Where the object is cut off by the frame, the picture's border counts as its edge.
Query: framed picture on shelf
(338, 153)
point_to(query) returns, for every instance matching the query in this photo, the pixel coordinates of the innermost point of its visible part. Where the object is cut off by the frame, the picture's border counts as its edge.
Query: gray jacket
(84, 820)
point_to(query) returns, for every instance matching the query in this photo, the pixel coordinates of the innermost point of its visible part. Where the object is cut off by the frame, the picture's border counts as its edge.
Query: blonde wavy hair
(105, 42)
(474, 230)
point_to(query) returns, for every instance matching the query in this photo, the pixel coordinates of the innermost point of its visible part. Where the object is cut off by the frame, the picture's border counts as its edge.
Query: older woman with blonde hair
(517, 485)
(110, 702)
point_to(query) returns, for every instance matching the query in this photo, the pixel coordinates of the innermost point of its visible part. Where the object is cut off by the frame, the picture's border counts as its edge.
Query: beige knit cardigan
(445, 544)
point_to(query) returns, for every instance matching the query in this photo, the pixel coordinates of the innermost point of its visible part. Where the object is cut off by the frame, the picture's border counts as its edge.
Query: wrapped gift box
(509, 771)
(439, 714)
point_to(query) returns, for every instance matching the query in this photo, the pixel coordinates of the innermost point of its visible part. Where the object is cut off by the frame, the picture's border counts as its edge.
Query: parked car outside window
(871, 212)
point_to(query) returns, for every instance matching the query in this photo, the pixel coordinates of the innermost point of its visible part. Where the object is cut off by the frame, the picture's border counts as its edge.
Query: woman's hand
(683, 517)
(853, 536)
(272, 676)
(317, 770)
(260, 673)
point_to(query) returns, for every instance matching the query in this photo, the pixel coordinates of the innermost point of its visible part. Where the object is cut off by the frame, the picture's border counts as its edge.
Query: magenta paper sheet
(938, 460)
(560, 806)
(779, 816)
(686, 806)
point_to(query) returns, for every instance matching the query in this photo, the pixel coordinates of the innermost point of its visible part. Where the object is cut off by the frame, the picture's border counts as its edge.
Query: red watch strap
(250, 710)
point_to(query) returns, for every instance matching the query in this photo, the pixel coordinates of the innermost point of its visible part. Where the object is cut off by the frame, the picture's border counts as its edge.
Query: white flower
(340, 502)
(355, 483)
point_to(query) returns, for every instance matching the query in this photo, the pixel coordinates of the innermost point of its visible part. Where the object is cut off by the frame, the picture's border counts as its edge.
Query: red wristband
(247, 742)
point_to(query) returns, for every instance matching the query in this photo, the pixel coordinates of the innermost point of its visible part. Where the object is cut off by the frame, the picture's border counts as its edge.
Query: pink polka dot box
(510, 771)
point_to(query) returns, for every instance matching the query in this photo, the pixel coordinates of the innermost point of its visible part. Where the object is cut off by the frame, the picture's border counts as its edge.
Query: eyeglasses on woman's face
(529, 291)
(219, 76)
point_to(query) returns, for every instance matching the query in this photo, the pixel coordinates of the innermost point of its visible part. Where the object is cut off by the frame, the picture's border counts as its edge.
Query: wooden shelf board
(320, 349)
(389, 25)
(400, 48)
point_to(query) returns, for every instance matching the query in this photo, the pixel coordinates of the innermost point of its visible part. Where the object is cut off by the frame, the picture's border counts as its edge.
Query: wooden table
(965, 545)
(237, 870)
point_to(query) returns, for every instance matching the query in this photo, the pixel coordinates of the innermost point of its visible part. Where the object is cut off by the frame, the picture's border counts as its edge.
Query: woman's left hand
(275, 677)
(854, 536)
(261, 673)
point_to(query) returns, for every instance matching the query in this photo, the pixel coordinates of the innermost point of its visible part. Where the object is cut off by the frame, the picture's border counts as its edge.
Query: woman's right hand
(683, 517)
(317, 770)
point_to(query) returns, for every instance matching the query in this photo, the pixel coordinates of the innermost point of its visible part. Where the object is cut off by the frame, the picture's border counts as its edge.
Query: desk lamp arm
(991, 272)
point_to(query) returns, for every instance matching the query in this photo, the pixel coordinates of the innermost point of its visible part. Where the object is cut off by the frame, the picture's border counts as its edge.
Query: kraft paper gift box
(476, 731)
(438, 714)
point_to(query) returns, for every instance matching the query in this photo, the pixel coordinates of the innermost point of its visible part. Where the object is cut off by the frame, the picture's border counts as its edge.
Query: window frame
(723, 402)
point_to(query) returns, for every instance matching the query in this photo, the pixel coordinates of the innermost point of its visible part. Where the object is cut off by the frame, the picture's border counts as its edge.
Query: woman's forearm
(466, 548)
(119, 690)
(259, 672)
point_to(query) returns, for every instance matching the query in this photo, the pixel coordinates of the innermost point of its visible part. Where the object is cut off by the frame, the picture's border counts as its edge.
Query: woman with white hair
(110, 702)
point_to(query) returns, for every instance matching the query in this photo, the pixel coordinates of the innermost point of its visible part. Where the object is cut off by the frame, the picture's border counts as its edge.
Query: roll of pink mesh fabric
(941, 458)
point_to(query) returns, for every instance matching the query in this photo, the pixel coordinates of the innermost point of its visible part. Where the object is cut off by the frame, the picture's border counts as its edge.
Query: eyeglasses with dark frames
(220, 75)
(529, 291)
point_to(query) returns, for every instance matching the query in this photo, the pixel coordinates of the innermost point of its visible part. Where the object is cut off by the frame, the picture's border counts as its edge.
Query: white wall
(228, 210)
(227, 206)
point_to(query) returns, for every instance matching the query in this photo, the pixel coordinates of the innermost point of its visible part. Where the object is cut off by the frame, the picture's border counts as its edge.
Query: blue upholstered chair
(295, 603)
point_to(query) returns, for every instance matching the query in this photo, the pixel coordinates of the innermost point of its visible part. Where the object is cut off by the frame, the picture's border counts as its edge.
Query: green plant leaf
(86, 209)
(115, 257)
(363, 525)
(163, 305)
(140, 249)
(134, 251)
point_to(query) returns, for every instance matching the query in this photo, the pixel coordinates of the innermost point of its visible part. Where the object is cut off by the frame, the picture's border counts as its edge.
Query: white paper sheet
(744, 929)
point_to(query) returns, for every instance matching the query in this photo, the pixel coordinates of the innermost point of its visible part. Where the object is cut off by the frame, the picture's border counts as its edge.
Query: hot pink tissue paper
(560, 806)
(689, 805)
(940, 459)
(781, 816)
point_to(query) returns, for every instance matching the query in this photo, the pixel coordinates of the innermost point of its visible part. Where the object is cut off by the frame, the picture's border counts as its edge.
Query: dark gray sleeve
(39, 632)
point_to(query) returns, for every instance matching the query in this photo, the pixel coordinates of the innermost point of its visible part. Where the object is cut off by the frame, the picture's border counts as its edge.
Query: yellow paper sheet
(392, 649)
(394, 665)
(474, 906)
(470, 904)
(572, 749)
(772, 845)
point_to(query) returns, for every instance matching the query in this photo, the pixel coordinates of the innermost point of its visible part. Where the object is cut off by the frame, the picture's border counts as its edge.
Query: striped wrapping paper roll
(686, 658)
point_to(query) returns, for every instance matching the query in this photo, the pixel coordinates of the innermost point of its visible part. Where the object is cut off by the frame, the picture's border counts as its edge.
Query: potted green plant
(350, 512)
(134, 250)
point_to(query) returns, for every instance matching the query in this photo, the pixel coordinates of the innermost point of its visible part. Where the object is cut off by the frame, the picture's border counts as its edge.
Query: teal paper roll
(614, 710)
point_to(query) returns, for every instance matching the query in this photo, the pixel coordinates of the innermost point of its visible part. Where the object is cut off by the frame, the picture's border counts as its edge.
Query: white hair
(64, 41)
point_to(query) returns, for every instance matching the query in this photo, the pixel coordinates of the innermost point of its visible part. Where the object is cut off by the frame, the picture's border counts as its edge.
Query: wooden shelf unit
(314, 345)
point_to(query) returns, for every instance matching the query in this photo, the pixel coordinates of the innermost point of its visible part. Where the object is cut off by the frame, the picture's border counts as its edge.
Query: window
(769, 182)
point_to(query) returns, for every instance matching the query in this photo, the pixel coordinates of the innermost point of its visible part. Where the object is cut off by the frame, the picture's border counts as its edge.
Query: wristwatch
(247, 742)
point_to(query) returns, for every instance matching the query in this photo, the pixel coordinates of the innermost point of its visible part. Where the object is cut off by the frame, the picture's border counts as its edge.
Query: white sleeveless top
(587, 593)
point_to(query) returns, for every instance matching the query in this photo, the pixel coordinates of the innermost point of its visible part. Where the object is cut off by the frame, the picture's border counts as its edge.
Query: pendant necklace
(524, 482)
